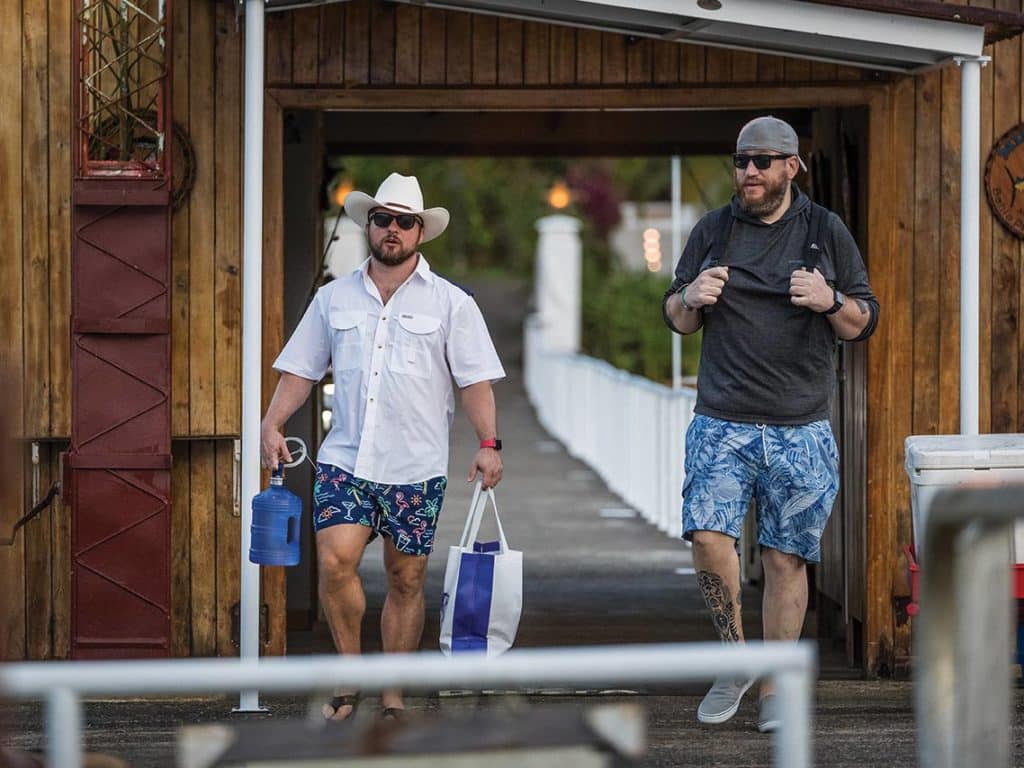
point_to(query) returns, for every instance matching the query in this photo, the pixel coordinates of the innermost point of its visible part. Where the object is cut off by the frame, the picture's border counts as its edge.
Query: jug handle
(293, 529)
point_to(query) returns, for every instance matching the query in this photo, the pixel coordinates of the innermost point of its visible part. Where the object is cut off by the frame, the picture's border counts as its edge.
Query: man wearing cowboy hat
(393, 334)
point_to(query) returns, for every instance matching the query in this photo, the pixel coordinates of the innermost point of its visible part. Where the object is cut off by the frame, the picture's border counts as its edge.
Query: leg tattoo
(723, 612)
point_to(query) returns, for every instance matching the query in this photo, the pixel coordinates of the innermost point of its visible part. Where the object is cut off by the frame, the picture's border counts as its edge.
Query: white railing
(61, 685)
(628, 429)
(962, 634)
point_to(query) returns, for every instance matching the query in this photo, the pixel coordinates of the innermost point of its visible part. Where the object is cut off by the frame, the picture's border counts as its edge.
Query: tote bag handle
(473, 513)
(476, 513)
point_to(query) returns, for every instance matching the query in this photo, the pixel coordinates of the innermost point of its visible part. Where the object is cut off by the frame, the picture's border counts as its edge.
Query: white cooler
(934, 462)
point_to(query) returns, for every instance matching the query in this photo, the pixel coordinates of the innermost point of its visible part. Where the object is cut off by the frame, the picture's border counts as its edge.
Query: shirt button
(376, 372)
(371, 399)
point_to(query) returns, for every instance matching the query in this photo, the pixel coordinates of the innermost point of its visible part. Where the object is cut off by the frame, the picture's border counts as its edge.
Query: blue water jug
(276, 515)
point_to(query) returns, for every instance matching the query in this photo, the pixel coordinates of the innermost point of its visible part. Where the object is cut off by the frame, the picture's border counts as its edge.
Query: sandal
(392, 713)
(330, 709)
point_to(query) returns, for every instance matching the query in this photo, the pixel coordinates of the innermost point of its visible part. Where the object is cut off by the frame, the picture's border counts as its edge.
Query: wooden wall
(35, 175)
(916, 365)
(373, 44)
(380, 54)
(206, 348)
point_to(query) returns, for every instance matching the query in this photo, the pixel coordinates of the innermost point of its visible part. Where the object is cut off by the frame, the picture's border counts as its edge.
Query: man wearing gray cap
(774, 280)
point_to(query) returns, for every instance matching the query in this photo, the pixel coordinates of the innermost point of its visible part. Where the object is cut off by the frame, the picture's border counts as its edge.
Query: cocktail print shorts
(406, 514)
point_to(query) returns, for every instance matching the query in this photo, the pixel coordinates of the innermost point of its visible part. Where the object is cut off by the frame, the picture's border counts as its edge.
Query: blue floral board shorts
(406, 514)
(792, 472)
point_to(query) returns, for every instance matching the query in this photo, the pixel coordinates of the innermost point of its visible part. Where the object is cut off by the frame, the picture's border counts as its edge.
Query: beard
(774, 194)
(391, 254)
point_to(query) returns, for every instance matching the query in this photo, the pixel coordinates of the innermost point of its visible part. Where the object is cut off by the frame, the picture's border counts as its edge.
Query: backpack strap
(716, 248)
(815, 243)
(813, 247)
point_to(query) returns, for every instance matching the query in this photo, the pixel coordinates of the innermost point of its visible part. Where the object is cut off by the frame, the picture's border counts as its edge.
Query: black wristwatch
(838, 300)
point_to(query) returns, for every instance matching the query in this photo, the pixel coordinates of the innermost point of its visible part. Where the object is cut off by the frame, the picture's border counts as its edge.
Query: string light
(341, 192)
(559, 196)
(652, 249)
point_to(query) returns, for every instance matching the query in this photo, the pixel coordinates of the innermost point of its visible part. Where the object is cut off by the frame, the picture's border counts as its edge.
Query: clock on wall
(1004, 180)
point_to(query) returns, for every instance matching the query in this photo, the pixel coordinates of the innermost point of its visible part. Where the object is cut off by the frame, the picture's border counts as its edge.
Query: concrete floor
(589, 579)
(856, 724)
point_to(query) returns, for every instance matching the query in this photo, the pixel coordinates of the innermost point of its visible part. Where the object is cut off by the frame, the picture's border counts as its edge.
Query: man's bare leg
(339, 550)
(401, 621)
(785, 599)
(718, 574)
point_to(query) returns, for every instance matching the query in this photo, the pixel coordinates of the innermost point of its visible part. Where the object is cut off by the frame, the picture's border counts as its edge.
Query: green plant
(496, 202)
(622, 324)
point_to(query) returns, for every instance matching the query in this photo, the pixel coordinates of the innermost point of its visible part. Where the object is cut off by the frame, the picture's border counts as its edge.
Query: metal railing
(962, 634)
(62, 684)
(628, 429)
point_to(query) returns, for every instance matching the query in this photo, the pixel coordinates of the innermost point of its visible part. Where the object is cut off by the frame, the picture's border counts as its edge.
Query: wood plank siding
(35, 182)
(370, 55)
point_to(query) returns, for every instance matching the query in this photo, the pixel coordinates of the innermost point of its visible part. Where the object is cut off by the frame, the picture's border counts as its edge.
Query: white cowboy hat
(399, 194)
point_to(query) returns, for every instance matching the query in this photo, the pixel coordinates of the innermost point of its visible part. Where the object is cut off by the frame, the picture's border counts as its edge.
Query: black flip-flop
(337, 702)
(392, 713)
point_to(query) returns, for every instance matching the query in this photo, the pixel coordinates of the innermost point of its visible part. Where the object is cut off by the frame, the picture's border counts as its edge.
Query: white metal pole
(970, 199)
(677, 247)
(64, 728)
(525, 668)
(252, 334)
(792, 664)
(792, 744)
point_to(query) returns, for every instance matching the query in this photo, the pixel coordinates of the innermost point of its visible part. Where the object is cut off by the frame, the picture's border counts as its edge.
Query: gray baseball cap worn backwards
(769, 133)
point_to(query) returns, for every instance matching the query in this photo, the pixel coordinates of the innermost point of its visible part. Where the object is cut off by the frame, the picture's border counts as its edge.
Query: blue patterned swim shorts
(406, 514)
(791, 471)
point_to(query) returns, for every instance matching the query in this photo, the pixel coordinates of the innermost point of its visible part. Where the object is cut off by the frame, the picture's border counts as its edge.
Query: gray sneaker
(722, 701)
(769, 718)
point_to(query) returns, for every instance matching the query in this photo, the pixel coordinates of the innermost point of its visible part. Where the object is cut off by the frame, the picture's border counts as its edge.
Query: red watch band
(493, 442)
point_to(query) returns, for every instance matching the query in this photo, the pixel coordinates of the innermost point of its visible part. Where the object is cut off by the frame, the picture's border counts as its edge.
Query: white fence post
(629, 430)
(558, 282)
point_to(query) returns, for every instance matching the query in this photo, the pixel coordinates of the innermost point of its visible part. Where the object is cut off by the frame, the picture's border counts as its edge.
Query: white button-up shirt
(393, 366)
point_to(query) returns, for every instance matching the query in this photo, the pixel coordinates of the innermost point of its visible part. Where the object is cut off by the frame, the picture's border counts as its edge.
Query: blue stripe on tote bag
(483, 588)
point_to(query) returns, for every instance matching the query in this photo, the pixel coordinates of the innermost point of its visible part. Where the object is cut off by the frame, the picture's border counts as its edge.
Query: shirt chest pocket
(347, 339)
(416, 338)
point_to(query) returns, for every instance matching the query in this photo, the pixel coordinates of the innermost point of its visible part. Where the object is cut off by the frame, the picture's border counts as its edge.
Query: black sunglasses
(761, 162)
(405, 220)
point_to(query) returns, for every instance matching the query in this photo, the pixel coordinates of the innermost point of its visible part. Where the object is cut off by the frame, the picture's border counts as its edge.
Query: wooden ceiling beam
(592, 134)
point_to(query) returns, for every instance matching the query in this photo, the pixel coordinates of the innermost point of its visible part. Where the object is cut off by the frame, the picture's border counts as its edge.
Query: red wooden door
(118, 468)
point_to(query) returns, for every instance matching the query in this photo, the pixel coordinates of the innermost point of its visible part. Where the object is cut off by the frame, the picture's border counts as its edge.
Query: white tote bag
(483, 588)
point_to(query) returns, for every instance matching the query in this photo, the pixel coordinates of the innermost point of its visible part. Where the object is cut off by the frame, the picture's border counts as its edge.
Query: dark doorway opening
(834, 139)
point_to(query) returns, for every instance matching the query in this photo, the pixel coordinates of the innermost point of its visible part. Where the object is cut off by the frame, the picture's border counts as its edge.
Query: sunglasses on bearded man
(761, 162)
(405, 221)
